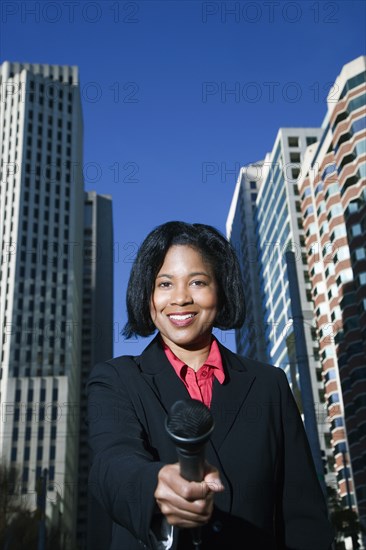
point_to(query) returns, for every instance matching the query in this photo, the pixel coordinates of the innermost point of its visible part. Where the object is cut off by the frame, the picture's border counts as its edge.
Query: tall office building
(97, 345)
(333, 202)
(277, 281)
(240, 230)
(41, 236)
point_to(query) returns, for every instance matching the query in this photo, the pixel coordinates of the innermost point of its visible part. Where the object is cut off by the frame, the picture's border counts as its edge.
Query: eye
(164, 284)
(198, 283)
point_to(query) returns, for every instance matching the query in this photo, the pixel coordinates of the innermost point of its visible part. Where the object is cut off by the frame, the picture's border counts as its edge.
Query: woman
(260, 491)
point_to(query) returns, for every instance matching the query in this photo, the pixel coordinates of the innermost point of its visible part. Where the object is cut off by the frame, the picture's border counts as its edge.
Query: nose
(181, 296)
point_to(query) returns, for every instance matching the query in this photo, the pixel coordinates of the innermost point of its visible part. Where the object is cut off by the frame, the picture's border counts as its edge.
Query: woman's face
(184, 301)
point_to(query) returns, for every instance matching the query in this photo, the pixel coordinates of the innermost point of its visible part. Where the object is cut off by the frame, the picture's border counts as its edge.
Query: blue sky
(177, 95)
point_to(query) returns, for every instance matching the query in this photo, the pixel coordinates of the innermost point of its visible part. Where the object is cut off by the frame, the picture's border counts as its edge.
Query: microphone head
(189, 421)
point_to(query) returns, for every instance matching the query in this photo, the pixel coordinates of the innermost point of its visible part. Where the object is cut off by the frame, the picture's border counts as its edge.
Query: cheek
(214, 299)
(156, 304)
(152, 308)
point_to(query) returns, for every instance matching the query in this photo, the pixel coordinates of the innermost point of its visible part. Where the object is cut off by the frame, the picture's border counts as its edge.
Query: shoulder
(128, 366)
(245, 363)
(120, 367)
(256, 368)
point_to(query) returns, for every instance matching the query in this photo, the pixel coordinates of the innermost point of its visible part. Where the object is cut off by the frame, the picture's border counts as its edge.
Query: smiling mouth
(182, 317)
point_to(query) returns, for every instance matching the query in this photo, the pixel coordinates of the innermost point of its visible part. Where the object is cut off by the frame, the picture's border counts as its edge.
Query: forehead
(185, 257)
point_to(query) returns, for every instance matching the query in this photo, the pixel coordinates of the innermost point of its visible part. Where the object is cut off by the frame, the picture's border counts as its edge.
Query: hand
(186, 504)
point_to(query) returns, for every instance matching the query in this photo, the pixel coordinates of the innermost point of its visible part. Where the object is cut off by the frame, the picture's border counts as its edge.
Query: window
(338, 232)
(356, 230)
(321, 309)
(310, 140)
(321, 208)
(332, 190)
(330, 270)
(326, 353)
(295, 157)
(333, 291)
(293, 141)
(341, 254)
(345, 276)
(318, 268)
(308, 211)
(336, 314)
(318, 188)
(336, 210)
(324, 228)
(359, 254)
(311, 230)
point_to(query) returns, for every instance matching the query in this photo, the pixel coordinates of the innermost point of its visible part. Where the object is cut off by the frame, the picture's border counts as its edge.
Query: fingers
(185, 503)
(186, 514)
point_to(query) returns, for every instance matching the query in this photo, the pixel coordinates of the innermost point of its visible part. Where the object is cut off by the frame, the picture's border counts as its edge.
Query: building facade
(97, 345)
(277, 280)
(333, 202)
(41, 240)
(240, 230)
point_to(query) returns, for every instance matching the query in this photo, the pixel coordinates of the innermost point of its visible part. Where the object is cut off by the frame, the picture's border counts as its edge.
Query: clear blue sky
(163, 134)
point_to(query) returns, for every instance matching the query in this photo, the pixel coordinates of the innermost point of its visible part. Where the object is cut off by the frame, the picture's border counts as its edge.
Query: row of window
(30, 394)
(40, 433)
(293, 141)
(353, 105)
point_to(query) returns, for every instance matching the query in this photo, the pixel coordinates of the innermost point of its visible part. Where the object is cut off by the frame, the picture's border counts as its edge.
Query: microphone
(190, 425)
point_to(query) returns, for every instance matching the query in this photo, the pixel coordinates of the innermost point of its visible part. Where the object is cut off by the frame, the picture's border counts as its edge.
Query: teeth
(181, 317)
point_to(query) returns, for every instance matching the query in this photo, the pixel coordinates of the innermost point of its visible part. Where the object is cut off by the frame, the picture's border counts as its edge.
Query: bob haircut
(215, 249)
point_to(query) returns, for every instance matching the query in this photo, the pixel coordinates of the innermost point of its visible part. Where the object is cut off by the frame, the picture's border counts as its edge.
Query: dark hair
(215, 249)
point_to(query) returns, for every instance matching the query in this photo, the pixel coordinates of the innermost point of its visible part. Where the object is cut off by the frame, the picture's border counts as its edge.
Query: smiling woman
(260, 489)
(217, 258)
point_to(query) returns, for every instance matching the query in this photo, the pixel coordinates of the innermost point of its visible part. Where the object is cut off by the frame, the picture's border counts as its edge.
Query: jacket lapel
(160, 375)
(228, 399)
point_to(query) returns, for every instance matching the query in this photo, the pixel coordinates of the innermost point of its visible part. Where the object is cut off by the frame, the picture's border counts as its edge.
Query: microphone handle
(192, 465)
(192, 468)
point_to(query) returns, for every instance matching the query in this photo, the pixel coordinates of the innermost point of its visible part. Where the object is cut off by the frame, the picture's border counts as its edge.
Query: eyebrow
(194, 274)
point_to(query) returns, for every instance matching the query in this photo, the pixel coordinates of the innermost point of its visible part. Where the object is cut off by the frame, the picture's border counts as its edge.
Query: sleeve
(123, 474)
(305, 524)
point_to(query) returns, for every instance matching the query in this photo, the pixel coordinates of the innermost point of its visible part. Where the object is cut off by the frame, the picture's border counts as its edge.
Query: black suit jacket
(272, 498)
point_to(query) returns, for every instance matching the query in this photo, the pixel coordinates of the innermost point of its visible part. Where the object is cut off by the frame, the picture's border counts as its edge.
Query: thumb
(212, 479)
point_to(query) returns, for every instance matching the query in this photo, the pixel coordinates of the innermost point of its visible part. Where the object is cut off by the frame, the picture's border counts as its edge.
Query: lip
(183, 321)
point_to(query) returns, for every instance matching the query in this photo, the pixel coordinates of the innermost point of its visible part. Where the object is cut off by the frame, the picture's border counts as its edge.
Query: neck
(194, 357)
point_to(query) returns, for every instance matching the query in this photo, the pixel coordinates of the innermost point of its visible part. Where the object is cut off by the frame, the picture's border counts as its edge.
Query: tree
(10, 503)
(19, 526)
(345, 521)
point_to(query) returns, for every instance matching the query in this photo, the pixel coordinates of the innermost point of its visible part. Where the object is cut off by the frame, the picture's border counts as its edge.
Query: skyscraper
(41, 239)
(333, 203)
(240, 230)
(97, 346)
(277, 281)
